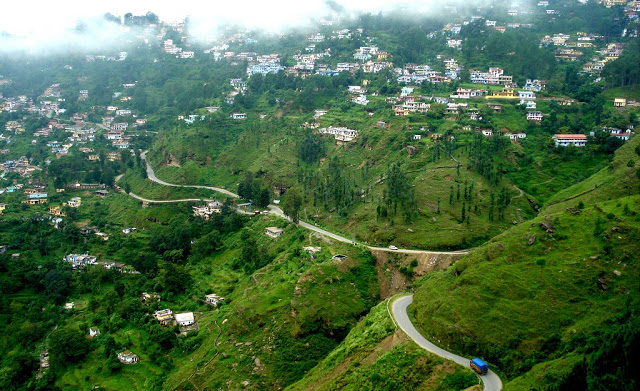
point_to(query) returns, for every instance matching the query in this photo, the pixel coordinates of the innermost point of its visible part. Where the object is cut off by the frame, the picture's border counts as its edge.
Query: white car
(393, 247)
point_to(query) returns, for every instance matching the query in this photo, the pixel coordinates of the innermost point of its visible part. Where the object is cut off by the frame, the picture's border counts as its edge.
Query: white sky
(45, 25)
(39, 17)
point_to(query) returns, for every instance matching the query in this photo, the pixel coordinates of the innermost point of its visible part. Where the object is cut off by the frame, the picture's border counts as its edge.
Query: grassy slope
(375, 356)
(274, 154)
(287, 315)
(154, 191)
(515, 303)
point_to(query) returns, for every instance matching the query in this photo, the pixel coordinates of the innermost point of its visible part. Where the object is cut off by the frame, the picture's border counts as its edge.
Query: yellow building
(619, 102)
(75, 202)
(35, 201)
(56, 211)
(506, 93)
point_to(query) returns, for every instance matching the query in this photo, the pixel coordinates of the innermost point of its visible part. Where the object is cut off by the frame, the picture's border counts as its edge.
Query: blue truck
(479, 366)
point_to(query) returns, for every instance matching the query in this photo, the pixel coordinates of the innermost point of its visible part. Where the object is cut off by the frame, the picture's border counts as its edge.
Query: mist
(82, 27)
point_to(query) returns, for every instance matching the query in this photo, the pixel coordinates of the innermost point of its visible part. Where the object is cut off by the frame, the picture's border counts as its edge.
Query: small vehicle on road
(479, 366)
(392, 247)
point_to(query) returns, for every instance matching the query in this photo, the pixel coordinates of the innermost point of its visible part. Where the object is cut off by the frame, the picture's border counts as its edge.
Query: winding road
(274, 209)
(399, 309)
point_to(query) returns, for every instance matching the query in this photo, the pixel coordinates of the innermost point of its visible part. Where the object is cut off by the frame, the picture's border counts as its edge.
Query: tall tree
(292, 204)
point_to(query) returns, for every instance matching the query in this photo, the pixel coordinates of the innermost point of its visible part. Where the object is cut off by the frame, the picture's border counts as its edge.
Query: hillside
(481, 155)
(549, 300)
(376, 356)
(359, 170)
(281, 319)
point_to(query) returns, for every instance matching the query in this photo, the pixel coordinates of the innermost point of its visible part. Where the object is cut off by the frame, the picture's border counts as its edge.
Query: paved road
(165, 201)
(274, 209)
(491, 380)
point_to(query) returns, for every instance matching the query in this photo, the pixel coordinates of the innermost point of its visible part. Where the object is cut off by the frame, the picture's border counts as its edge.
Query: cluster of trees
(484, 153)
(335, 189)
(311, 148)
(251, 189)
(252, 256)
(446, 145)
(503, 200)
(398, 193)
(624, 71)
(43, 282)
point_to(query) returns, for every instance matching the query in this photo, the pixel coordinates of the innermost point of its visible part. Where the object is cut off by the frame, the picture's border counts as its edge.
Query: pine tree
(451, 196)
(464, 210)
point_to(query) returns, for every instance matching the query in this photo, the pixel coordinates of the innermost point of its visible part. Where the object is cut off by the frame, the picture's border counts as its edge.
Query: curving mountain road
(399, 309)
(137, 197)
(273, 209)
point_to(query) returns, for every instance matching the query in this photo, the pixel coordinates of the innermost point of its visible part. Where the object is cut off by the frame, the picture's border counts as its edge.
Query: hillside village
(120, 168)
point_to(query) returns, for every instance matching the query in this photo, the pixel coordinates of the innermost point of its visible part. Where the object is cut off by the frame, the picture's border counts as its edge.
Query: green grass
(154, 191)
(542, 174)
(274, 155)
(375, 357)
(288, 314)
(518, 304)
(629, 92)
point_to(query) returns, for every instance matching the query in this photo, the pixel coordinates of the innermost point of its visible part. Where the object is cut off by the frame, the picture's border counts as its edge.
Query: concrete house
(619, 102)
(274, 232)
(94, 332)
(164, 317)
(148, 298)
(563, 140)
(127, 357)
(75, 202)
(534, 116)
(213, 299)
(185, 319)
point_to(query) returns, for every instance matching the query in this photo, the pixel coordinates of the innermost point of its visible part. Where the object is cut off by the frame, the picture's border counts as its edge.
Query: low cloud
(47, 27)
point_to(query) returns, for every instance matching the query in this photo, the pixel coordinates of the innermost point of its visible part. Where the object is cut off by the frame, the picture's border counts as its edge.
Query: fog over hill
(81, 25)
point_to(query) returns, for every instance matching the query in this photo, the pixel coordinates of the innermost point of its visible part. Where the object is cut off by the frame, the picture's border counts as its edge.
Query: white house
(75, 202)
(119, 126)
(185, 319)
(340, 133)
(516, 136)
(619, 102)
(319, 113)
(127, 357)
(534, 116)
(357, 90)
(94, 332)
(526, 95)
(563, 140)
(239, 115)
(360, 100)
(316, 38)
(213, 299)
(274, 232)
(114, 135)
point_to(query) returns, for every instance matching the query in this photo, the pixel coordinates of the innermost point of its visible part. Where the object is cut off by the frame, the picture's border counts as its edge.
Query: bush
(460, 380)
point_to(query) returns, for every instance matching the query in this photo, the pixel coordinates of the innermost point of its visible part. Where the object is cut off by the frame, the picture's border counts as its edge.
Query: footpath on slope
(399, 314)
(278, 212)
